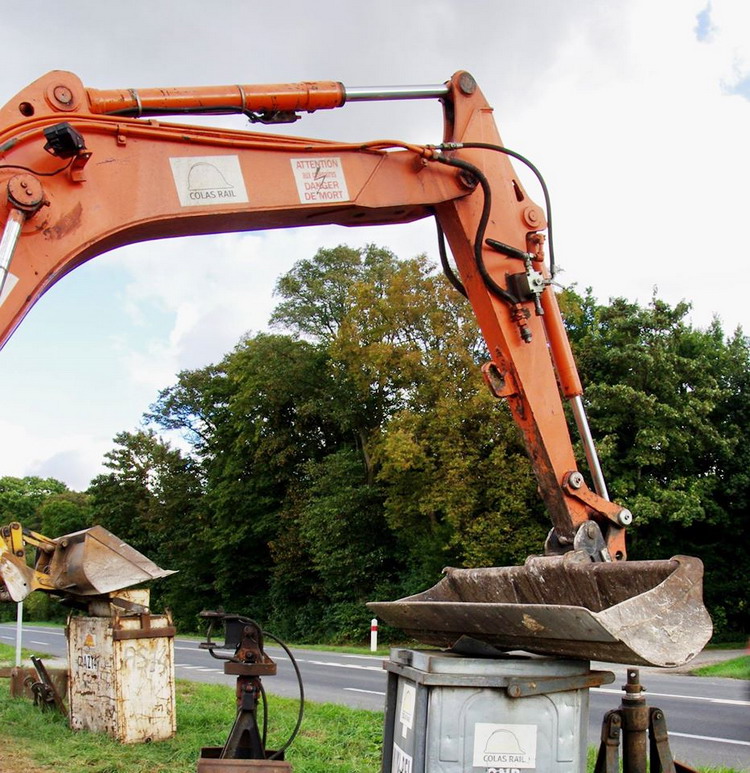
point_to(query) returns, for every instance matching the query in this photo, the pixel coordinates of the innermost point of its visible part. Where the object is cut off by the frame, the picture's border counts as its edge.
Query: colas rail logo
(205, 181)
(504, 746)
(208, 180)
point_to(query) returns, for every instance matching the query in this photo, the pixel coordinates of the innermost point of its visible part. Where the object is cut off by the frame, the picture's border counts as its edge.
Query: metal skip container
(450, 714)
(122, 676)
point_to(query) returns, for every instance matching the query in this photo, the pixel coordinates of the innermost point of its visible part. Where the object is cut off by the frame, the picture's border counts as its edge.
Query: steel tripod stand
(645, 742)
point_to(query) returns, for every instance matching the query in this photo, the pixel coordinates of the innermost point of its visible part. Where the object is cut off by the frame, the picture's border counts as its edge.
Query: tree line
(352, 453)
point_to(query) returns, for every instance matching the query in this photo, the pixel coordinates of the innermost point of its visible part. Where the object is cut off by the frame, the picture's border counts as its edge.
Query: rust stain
(68, 223)
(533, 625)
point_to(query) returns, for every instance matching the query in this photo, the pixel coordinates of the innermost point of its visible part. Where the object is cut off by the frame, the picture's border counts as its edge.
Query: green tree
(445, 461)
(357, 454)
(20, 498)
(669, 405)
(152, 499)
(65, 513)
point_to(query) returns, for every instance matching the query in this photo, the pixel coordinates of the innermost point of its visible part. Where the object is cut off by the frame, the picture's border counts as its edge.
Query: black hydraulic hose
(537, 173)
(264, 734)
(447, 269)
(475, 172)
(301, 712)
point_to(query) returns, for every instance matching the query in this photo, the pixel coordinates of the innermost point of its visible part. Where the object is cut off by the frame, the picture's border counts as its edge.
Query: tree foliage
(354, 452)
(670, 406)
(20, 498)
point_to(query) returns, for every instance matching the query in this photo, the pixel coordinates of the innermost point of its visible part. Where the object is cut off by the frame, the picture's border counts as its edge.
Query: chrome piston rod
(376, 93)
(576, 403)
(8, 242)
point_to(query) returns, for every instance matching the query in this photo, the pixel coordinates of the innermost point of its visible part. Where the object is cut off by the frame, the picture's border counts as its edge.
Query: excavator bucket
(93, 562)
(636, 612)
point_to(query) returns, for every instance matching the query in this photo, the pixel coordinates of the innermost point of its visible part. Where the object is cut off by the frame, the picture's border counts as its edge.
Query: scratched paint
(123, 688)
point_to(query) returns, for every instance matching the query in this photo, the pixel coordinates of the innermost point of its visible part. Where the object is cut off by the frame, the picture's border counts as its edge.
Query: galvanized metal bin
(122, 676)
(451, 714)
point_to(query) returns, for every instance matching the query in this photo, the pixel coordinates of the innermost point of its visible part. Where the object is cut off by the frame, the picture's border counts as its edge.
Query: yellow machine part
(90, 562)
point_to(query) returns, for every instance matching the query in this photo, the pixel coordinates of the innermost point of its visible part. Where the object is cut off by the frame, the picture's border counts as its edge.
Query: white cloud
(74, 459)
(215, 289)
(627, 113)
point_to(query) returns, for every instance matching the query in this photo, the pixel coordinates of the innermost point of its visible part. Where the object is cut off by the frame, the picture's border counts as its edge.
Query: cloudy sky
(636, 111)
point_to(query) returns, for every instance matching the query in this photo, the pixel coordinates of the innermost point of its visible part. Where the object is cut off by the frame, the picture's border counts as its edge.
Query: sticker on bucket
(509, 746)
(402, 762)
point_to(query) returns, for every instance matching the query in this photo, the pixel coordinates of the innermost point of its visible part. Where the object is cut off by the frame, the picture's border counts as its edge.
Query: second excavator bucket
(636, 612)
(94, 562)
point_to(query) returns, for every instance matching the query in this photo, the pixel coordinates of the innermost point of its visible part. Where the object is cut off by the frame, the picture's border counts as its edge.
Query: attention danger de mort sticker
(320, 180)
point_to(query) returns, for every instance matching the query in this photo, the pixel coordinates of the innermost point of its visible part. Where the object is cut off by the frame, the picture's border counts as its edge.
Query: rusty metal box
(122, 676)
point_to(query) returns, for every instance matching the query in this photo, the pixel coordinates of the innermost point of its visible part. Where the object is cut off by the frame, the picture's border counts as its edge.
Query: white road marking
(33, 641)
(650, 694)
(710, 738)
(369, 692)
(340, 665)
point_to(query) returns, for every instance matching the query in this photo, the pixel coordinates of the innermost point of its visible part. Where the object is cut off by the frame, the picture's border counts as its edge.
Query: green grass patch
(8, 655)
(737, 668)
(333, 739)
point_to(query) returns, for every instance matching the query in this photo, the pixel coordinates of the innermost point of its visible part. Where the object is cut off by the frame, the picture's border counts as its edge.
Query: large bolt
(25, 193)
(63, 95)
(466, 83)
(625, 517)
(532, 217)
(467, 180)
(575, 480)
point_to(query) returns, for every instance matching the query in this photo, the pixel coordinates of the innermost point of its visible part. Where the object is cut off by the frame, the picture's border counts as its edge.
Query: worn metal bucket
(94, 561)
(637, 612)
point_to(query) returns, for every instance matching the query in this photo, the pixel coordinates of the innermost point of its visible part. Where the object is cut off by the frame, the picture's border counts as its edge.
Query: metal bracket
(522, 688)
(144, 632)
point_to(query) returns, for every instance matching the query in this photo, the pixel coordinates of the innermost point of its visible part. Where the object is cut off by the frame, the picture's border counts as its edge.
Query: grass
(8, 655)
(737, 668)
(333, 739)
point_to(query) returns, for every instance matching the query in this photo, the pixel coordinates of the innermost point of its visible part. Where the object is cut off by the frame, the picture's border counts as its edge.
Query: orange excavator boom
(86, 170)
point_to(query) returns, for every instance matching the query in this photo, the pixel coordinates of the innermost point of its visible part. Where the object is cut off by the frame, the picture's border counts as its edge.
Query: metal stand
(643, 729)
(44, 691)
(245, 748)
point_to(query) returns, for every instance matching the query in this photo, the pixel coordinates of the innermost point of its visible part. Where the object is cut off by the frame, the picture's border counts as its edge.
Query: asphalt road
(708, 719)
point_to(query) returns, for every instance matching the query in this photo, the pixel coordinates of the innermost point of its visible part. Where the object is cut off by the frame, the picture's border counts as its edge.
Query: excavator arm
(87, 170)
(83, 171)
